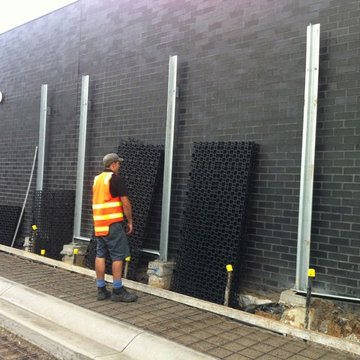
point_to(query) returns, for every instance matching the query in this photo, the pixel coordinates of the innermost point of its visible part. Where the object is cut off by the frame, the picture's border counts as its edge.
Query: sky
(17, 12)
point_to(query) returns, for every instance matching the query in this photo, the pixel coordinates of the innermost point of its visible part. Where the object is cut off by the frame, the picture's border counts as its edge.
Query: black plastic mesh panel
(214, 219)
(142, 171)
(53, 214)
(9, 217)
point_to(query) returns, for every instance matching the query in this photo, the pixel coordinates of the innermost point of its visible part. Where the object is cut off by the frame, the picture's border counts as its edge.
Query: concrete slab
(79, 320)
(186, 320)
(75, 330)
(289, 297)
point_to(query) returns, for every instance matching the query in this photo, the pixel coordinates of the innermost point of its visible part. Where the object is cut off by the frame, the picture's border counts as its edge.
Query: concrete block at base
(296, 316)
(68, 249)
(162, 282)
(79, 261)
(160, 273)
(290, 298)
(160, 268)
(70, 258)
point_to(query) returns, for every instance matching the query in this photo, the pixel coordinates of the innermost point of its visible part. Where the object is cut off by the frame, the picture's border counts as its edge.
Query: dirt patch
(334, 318)
(335, 321)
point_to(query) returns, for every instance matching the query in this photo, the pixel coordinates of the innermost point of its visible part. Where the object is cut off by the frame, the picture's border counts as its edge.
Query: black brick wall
(241, 78)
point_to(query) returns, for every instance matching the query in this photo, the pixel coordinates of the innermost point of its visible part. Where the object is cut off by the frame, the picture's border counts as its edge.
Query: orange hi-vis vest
(106, 209)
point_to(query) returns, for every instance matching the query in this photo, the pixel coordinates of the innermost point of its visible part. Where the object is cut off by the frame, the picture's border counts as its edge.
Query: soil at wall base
(332, 317)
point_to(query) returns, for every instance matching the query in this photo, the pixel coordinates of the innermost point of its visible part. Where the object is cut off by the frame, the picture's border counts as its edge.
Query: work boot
(103, 293)
(122, 295)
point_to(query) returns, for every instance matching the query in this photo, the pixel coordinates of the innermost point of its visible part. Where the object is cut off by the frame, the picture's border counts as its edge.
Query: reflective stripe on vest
(106, 209)
(101, 230)
(107, 205)
(109, 216)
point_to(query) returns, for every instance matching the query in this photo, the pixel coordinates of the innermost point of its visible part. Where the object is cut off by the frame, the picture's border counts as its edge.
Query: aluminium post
(42, 138)
(168, 160)
(81, 155)
(308, 156)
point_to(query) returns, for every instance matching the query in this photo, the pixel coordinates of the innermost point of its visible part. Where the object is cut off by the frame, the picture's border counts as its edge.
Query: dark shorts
(115, 243)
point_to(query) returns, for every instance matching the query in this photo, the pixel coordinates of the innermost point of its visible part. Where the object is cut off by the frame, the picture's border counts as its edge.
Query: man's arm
(128, 213)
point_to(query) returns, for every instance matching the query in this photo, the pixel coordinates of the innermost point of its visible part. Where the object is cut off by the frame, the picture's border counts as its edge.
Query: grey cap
(111, 158)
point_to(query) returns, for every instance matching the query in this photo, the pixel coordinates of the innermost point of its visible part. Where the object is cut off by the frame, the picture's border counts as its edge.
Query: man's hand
(128, 214)
(129, 228)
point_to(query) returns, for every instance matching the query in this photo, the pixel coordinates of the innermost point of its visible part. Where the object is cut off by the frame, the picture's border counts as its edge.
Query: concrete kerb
(115, 337)
(251, 319)
(79, 320)
(53, 338)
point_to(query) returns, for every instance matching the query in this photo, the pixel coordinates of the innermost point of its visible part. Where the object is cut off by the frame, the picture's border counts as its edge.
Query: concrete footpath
(54, 306)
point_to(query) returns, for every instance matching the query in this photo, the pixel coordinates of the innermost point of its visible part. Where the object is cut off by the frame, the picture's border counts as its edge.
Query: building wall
(241, 74)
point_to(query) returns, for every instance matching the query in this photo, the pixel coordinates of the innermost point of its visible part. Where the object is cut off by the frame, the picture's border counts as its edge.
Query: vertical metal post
(308, 155)
(169, 145)
(42, 138)
(81, 155)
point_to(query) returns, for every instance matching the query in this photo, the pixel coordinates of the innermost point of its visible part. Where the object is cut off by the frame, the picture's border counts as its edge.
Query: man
(110, 203)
